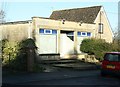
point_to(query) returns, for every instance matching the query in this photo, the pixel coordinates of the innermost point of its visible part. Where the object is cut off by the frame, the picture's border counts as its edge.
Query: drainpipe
(100, 25)
(100, 31)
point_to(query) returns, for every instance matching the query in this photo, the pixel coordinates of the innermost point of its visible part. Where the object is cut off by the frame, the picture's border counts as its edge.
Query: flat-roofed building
(63, 32)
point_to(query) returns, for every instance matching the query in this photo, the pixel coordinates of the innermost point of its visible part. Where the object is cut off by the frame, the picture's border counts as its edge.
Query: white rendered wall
(47, 44)
(66, 45)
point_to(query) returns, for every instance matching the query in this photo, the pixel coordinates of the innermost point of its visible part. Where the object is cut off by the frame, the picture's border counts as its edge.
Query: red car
(111, 64)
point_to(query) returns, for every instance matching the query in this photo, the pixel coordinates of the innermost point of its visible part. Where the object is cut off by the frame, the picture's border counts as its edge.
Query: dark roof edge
(79, 8)
(57, 19)
(40, 17)
(16, 22)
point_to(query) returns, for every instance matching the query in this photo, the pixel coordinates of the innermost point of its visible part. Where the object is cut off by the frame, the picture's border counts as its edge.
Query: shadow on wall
(15, 56)
(81, 56)
(72, 54)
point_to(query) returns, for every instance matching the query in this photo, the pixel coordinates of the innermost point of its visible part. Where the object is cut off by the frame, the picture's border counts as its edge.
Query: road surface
(87, 78)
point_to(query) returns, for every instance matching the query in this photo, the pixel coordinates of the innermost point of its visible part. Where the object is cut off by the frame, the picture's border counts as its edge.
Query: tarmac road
(84, 78)
(93, 79)
(80, 73)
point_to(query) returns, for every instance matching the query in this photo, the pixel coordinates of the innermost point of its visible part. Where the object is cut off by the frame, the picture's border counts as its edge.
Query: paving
(71, 65)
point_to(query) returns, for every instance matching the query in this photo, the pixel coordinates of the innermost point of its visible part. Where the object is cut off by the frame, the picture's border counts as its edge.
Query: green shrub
(14, 54)
(116, 45)
(9, 51)
(27, 42)
(97, 47)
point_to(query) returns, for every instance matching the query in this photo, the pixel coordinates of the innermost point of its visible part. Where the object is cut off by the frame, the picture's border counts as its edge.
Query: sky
(20, 11)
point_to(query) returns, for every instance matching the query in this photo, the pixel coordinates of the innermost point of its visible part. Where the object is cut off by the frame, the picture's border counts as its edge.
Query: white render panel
(47, 44)
(79, 41)
(66, 45)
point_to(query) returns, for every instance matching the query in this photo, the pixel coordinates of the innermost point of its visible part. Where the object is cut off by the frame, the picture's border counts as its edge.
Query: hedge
(97, 47)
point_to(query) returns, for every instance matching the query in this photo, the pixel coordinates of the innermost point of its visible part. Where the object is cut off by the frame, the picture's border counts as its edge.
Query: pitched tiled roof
(86, 15)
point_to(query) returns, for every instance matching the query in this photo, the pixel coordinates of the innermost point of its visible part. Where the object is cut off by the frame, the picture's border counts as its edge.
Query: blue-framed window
(83, 33)
(47, 31)
(79, 33)
(88, 33)
(54, 31)
(41, 30)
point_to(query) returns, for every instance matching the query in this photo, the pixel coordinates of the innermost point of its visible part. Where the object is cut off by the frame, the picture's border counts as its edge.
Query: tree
(117, 37)
(2, 16)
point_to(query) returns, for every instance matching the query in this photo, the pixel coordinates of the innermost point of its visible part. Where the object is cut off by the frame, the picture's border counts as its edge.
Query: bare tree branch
(2, 16)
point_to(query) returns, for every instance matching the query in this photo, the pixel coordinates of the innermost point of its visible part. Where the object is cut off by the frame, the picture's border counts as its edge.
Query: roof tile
(86, 15)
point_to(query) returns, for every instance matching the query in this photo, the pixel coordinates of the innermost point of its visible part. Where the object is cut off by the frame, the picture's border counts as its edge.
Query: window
(83, 34)
(70, 34)
(71, 37)
(112, 57)
(41, 30)
(100, 30)
(47, 31)
(54, 31)
(79, 33)
(88, 34)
